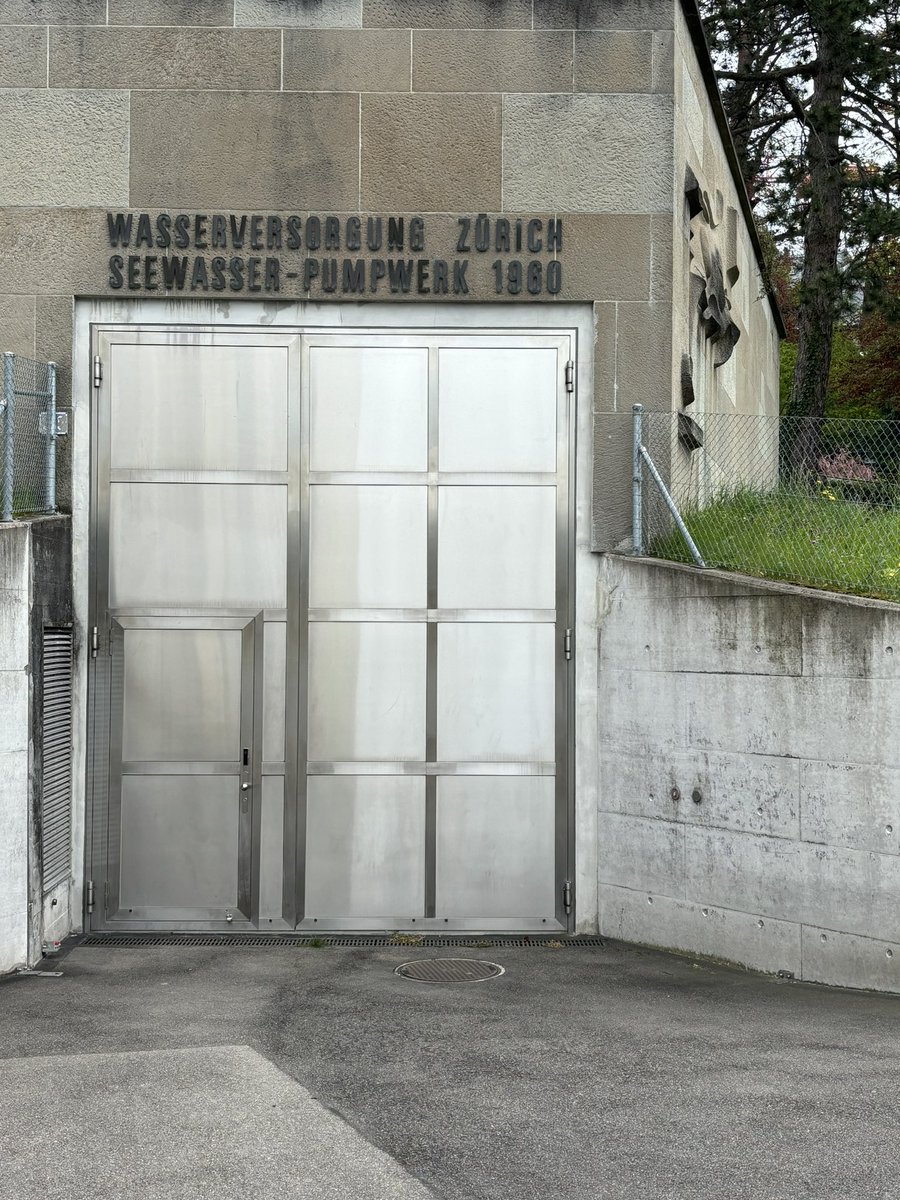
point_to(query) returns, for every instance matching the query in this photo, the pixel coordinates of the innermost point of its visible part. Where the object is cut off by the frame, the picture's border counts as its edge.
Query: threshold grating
(350, 941)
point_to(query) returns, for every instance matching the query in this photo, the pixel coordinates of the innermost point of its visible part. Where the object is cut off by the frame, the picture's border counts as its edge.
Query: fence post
(9, 413)
(637, 480)
(50, 464)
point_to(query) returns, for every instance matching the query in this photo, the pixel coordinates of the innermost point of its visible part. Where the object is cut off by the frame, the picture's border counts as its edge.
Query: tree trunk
(819, 292)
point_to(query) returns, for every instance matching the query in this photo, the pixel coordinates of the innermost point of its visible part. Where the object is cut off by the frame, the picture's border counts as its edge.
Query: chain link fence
(29, 427)
(811, 501)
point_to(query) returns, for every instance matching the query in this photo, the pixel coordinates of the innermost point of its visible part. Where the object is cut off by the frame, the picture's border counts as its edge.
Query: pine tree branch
(805, 70)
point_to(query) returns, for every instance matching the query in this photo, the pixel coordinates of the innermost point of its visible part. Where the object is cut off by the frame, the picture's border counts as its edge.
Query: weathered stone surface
(53, 343)
(299, 14)
(17, 325)
(311, 159)
(52, 12)
(604, 14)
(844, 960)
(64, 147)
(448, 14)
(363, 60)
(613, 61)
(762, 944)
(644, 356)
(49, 250)
(663, 70)
(644, 855)
(606, 256)
(604, 357)
(491, 61)
(855, 805)
(749, 792)
(166, 58)
(433, 153)
(588, 153)
(661, 264)
(171, 12)
(611, 497)
(23, 57)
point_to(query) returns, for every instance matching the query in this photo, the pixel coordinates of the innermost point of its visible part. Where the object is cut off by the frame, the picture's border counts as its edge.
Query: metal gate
(331, 683)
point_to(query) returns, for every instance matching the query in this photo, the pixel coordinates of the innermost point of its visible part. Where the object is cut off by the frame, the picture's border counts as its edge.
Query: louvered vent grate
(56, 771)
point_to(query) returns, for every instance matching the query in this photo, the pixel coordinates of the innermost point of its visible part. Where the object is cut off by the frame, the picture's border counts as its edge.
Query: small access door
(196, 444)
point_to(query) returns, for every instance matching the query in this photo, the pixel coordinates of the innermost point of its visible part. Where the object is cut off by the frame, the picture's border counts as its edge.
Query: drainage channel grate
(358, 941)
(449, 970)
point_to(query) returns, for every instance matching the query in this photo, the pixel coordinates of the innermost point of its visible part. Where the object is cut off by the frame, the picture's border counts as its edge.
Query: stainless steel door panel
(182, 694)
(367, 547)
(179, 845)
(495, 692)
(498, 409)
(497, 547)
(198, 545)
(365, 846)
(495, 848)
(274, 678)
(271, 850)
(368, 409)
(345, 555)
(366, 691)
(221, 407)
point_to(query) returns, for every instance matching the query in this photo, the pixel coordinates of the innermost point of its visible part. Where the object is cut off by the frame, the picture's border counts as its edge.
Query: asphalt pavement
(172, 1073)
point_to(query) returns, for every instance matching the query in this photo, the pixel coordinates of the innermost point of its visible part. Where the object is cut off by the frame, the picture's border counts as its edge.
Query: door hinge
(89, 895)
(567, 644)
(98, 370)
(570, 376)
(95, 641)
(567, 895)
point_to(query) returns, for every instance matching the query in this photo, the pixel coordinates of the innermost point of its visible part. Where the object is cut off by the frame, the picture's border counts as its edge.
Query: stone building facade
(400, 166)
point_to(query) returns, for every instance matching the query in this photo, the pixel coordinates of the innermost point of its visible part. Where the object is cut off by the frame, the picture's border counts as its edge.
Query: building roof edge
(701, 46)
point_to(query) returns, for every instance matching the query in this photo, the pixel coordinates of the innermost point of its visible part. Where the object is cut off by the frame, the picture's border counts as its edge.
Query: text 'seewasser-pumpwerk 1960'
(343, 297)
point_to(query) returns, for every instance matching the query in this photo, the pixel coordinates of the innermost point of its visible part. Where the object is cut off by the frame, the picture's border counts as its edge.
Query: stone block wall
(434, 107)
(750, 772)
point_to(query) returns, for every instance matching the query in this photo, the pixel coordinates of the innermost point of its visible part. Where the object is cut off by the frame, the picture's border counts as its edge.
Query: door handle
(245, 787)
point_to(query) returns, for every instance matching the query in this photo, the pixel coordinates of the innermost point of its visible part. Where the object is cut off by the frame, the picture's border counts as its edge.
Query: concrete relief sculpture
(709, 294)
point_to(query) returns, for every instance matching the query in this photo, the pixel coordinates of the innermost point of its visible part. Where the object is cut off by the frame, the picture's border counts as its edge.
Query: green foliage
(786, 373)
(812, 537)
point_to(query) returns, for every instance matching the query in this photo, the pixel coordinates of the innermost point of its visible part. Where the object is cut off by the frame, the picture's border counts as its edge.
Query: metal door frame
(162, 319)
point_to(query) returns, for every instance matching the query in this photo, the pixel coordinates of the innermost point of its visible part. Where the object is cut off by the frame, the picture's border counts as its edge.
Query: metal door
(435, 602)
(331, 587)
(195, 511)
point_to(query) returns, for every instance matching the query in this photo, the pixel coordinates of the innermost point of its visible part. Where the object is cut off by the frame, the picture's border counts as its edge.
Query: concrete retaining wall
(750, 772)
(35, 590)
(14, 739)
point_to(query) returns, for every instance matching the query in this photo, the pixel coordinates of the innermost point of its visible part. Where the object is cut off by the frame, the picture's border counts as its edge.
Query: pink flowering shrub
(842, 465)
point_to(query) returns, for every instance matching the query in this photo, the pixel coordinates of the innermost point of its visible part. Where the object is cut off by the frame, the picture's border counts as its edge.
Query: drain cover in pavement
(449, 970)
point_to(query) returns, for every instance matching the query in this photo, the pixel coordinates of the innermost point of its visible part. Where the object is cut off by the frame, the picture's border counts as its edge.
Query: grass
(816, 538)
